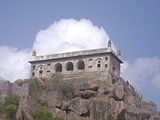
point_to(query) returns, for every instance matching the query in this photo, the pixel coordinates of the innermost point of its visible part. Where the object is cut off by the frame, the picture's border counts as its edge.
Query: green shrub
(42, 102)
(11, 110)
(11, 105)
(12, 99)
(42, 114)
(121, 118)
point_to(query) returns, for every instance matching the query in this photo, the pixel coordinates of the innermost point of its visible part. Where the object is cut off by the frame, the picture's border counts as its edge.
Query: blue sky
(133, 26)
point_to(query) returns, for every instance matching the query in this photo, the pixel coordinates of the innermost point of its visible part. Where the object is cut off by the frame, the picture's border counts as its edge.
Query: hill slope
(81, 98)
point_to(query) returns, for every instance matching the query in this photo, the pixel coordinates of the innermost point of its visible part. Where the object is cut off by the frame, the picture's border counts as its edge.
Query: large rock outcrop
(83, 99)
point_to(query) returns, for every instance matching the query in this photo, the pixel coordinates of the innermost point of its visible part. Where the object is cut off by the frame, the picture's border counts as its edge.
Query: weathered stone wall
(20, 89)
(114, 67)
(90, 65)
(5, 87)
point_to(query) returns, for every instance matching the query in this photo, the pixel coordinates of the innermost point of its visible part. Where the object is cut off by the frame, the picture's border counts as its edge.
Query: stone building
(72, 63)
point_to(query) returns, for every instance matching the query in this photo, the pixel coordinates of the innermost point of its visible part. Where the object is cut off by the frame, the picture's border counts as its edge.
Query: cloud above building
(68, 35)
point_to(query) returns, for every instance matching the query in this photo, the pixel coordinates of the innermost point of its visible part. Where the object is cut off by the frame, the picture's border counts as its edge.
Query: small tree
(11, 105)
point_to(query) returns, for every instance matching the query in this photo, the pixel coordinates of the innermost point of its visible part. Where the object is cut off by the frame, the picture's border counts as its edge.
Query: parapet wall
(72, 54)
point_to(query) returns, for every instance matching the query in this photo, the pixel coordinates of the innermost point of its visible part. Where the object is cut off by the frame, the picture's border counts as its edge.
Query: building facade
(87, 61)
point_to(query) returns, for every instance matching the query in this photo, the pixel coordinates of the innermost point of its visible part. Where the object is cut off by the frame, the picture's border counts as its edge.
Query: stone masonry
(88, 61)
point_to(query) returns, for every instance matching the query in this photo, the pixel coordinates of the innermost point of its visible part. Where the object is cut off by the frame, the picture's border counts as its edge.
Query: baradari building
(77, 64)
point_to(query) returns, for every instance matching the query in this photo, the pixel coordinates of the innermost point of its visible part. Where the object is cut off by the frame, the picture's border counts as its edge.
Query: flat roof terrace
(77, 54)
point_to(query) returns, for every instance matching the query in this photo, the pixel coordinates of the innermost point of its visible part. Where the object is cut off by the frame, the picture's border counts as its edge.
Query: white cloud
(143, 71)
(156, 80)
(14, 63)
(70, 35)
(62, 36)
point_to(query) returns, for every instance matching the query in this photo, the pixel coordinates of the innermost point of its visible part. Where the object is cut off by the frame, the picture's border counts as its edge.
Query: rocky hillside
(79, 99)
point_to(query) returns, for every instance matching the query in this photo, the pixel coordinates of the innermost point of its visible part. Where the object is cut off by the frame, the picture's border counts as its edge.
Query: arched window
(69, 66)
(58, 67)
(81, 65)
(40, 71)
(99, 64)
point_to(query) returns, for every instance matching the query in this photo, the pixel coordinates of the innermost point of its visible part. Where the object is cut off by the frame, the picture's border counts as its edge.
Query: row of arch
(70, 66)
